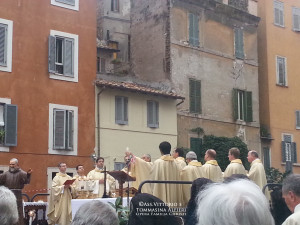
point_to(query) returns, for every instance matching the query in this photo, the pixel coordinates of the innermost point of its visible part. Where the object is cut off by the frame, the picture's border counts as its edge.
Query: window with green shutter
(242, 105)
(195, 145)
(193, 29)
(195, 96)
(152, 114)
(61, 56)
(279, 13)
(267, 159)
(121, 110)
(239, 43)
(63, 133)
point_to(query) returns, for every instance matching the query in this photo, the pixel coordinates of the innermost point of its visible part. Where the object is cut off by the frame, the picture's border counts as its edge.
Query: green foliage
(264, 132)
(2, 135)
(122, 211)
(275, 176)
(198, 130)
(221, 145)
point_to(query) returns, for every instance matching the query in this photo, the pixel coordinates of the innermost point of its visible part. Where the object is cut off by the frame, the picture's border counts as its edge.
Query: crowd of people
(232, 197)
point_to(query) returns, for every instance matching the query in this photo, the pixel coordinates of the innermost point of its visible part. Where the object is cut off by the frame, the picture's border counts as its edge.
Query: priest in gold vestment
(59, 211)
(211, 169)
(257, 171)
(140, 169)
(165, 168)
(178, 154)
(236, 165)
(98, 176)
(190, 172)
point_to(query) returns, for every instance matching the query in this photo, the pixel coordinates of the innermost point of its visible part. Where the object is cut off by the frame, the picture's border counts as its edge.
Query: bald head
(210, 154)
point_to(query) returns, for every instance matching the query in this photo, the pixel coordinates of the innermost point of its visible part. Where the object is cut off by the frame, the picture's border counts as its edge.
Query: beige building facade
(207, 50)
(278, 78)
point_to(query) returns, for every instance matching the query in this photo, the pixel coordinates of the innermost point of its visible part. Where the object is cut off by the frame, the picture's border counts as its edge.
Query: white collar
(297, 208)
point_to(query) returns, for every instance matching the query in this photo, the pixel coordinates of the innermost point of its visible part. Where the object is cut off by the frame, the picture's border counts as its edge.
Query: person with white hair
(8, 207)
(95, 213)
(190, 172)
(291, 195)
(257, 171)
(240, 202)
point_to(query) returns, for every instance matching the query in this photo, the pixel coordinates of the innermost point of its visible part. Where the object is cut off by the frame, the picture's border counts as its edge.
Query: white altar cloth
(76, 203)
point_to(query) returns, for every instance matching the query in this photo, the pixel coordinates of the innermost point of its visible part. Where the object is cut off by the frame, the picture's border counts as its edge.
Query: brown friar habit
(15, 180)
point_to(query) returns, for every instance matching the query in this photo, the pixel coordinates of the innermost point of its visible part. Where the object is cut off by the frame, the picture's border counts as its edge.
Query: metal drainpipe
(98, 120)
(182, 100)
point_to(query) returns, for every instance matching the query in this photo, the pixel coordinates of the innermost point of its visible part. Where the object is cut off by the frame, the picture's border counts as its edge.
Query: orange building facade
(279, 44)
(47, 96)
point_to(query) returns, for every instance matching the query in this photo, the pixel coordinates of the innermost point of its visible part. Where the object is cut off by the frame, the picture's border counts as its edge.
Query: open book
(69, 182)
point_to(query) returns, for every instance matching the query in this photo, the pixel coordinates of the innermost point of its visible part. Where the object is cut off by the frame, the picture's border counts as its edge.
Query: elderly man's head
(240, 202)
(8, 207)
(252, 155)
(190, 156)
(146, 157)
(291, 191)
(95, 213)
(13, 164)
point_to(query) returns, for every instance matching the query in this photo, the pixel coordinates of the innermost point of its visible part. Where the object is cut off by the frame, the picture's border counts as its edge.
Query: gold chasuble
(140, 169)
(257, 173)
(212, 171)
(165, 168)
(190, 172)
(235, 167)
(59, 211)
(96, 175)
(180, 162)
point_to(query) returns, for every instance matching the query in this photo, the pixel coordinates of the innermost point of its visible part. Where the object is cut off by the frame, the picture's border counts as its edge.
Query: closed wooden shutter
(294, 152)
(11, 124)
(70, 131)
(69, 2)
(152, 114)
(283, 154)
(59, 132)
(68, 57)
(297, 119)
(239, 43)
(51, 54)
(121, 110)
(249, 112)
(3, 44)
(195, 96)
(193, 29)
(235, 109)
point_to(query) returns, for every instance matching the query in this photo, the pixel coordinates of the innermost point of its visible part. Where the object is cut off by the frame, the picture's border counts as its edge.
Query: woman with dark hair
(197, 186)
(147, 209)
